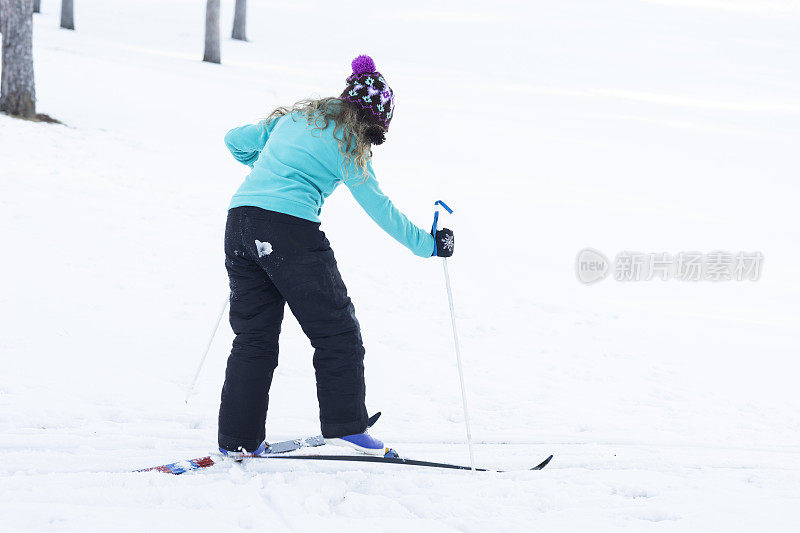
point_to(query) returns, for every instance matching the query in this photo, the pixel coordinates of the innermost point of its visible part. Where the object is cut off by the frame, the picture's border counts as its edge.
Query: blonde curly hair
(350, 130)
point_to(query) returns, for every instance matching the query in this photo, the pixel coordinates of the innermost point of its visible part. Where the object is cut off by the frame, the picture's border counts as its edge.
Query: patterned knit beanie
(369, 93)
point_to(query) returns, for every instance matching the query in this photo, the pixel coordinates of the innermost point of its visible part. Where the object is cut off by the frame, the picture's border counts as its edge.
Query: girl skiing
(276, 254)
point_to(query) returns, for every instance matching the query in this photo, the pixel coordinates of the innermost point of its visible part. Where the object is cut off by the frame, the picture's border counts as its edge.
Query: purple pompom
(363, 64)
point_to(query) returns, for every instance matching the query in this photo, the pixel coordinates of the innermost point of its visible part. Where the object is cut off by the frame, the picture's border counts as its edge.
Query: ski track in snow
(651, 126)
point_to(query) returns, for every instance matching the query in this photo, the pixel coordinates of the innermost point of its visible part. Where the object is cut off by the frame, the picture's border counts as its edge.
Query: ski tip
(182, 467)
(542, 464)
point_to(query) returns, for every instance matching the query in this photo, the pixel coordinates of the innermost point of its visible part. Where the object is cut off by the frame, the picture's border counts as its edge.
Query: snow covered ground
(658, 126)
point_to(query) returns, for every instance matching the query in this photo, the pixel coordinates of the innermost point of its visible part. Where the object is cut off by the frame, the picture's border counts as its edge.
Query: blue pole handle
(441, 203)
(436, 220)
(436, 214)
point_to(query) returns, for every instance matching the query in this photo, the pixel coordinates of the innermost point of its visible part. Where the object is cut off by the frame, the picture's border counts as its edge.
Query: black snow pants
(273, 259)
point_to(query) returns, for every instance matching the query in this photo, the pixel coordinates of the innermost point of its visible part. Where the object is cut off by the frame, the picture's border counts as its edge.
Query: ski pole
(208, 347)
(455, 332)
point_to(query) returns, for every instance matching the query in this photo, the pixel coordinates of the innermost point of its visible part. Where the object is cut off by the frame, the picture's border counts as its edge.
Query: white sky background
(751, 6)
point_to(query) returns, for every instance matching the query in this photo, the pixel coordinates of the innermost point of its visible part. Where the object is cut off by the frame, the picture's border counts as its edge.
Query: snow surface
(657, 126)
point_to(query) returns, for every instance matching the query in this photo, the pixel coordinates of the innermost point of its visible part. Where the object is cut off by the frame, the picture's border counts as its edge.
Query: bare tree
(67, 14)
(212, 53)
(37, 6)
(17, 89)
(240, 21)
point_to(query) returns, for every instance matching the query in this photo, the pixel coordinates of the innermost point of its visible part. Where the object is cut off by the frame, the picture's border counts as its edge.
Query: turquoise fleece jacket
(296, 167)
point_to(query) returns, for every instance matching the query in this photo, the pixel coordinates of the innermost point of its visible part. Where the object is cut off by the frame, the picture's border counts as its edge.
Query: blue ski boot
(363, 442)
(241, 453)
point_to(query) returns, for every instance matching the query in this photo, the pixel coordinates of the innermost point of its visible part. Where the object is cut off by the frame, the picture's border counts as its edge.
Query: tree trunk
(212, 53)
(17, 90)
(37, 6)
(67, 15)
(240, 21)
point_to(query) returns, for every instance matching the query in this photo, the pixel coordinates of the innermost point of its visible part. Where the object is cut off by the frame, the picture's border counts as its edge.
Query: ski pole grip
(436, 214)
(436, 220)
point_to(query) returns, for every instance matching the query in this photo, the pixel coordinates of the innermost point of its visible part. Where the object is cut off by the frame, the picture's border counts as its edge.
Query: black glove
(444, 243)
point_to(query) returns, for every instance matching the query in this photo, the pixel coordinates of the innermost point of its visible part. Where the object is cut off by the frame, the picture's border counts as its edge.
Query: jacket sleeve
(246, 142)
(381, 209)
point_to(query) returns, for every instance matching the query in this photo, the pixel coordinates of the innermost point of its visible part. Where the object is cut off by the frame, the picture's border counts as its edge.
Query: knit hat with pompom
(368, 91)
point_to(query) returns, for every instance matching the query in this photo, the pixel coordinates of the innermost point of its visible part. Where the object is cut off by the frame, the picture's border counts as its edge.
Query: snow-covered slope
(550, 126)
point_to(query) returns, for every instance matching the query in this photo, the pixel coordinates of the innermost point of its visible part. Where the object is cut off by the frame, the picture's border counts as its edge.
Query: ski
(392, 460)
(277, 449)
(181, 467)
